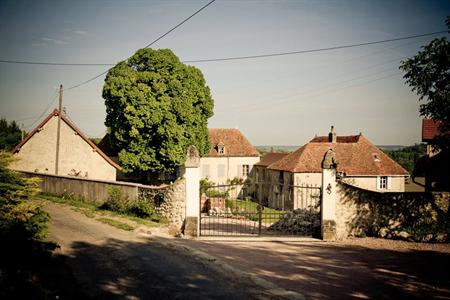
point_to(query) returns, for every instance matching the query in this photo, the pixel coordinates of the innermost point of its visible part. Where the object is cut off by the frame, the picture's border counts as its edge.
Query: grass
(269, 215)
(116, 224)
(95, 211)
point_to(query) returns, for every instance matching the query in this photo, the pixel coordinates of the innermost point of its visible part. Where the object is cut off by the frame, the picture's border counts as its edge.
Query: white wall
(314, 179)
(231, 166)
(395, 183)
(38, 154)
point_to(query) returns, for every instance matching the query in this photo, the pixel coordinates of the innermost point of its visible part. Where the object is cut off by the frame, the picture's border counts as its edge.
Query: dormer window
(221, 149)
(376, 157)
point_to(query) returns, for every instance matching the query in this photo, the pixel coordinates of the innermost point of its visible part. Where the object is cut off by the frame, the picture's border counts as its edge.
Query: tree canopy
(428, 73)
(10, 134)
(156, 107)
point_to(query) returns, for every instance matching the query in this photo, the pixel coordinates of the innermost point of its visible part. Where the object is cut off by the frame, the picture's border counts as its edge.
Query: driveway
(355, 269)
(108, 263)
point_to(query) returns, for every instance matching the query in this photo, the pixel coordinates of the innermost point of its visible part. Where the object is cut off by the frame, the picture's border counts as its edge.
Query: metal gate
(237, 210)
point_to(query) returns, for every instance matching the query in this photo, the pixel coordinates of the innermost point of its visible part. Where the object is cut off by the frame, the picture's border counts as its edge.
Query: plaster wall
(76, 156)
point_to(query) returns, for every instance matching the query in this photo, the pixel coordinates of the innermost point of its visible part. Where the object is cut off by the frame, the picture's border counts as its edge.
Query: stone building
(231, 156)
(78, 156)
(359, 163)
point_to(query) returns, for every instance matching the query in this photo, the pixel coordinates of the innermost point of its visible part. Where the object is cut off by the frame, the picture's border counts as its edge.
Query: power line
(156, 40)
(45, 110)
(313, 50)
(24, 62)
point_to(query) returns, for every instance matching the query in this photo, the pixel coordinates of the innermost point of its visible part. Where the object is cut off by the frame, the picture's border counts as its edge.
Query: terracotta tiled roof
(270, 158)
(356, 156)
(430, 129)
(74, 128)
(234, 142)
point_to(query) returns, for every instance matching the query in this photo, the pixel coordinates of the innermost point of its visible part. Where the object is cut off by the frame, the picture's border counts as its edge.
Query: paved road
(354, 269)
(108, 263)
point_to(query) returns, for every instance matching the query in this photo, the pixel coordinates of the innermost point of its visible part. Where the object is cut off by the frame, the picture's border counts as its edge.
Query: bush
(139, 208)
(23, 228)
(142, 209)
(116, 202)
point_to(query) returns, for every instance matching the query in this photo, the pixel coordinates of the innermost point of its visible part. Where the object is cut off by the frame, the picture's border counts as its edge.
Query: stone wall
(410, 216)
(170, 201)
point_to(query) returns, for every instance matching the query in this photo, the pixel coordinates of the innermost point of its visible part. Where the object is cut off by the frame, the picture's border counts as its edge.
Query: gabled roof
(430, 129)
(234, 142)
(74, 128)
(356, 156)
(270, 158)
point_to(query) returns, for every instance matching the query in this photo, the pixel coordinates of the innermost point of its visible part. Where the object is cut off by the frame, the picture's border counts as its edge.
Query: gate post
(328, 203)
(192, 176)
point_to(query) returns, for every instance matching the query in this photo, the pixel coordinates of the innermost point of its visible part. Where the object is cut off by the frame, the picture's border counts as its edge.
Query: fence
(229, 210)
(169, 200)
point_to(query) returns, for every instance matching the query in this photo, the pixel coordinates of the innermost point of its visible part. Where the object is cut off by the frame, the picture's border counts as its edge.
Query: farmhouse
(231, 156)
(359, 163)
(78, 156)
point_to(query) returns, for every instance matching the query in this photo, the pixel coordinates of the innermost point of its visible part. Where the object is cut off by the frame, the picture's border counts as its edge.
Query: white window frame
(383, 183)
(245, 170)
(205, 171)
(221, 171)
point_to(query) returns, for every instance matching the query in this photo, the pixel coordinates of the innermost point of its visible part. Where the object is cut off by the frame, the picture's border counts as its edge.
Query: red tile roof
(270, 158)
(71, 125)
(234, 142)
(356, 156)
(430, 129)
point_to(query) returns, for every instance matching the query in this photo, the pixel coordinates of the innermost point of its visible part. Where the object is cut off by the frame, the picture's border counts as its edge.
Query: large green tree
(428, 73)
(156, 107)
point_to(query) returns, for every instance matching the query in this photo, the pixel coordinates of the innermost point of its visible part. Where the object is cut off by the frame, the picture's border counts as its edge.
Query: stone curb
(217, 265)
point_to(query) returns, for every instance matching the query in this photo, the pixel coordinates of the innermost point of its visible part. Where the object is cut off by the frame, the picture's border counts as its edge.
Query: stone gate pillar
(329, 195)
(192, 176)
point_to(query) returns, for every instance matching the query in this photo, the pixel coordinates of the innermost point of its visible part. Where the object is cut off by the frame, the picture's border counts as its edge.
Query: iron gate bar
(222, 215)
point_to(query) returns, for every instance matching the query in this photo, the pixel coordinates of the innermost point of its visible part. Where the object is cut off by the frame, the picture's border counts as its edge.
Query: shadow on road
(333, 271)
(147, 269)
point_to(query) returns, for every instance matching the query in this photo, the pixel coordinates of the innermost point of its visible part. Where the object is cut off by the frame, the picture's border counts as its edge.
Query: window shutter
(378, 182)
(389, 183)
(239, 170)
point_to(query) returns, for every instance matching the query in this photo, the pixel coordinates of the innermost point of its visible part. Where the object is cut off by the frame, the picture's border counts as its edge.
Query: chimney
(332, 135)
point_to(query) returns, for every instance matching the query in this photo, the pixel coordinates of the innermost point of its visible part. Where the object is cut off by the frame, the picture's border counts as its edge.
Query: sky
(283, 100)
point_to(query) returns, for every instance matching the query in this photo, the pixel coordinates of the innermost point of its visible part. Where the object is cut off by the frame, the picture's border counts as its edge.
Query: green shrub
(116, 202)
(23, 228)
(142, 209)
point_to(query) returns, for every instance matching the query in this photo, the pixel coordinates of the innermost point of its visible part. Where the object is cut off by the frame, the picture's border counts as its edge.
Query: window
(221, 171)
(221, 150)
(383, 184)
(245, 170)
(205, 171)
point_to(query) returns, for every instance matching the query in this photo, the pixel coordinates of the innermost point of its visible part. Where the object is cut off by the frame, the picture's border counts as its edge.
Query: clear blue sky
(280, 101)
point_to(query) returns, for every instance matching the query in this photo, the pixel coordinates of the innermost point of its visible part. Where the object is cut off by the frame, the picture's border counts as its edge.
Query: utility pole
(22, 131)
(58, 131)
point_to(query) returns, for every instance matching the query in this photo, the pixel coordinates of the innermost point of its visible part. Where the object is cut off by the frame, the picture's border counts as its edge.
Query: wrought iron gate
(235, 210)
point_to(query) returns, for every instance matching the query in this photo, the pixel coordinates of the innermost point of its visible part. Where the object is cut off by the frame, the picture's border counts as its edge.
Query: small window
(221, 171)
(220, 149)
(205, 171)
(281, 177)
(245, 170)
(383, 183)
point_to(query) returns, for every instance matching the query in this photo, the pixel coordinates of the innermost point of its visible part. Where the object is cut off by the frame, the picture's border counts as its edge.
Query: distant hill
(286, 149)
(276, 148)
(391, 147)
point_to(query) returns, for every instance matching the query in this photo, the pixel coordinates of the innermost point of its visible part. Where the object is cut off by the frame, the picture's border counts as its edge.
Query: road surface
(109, 263)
